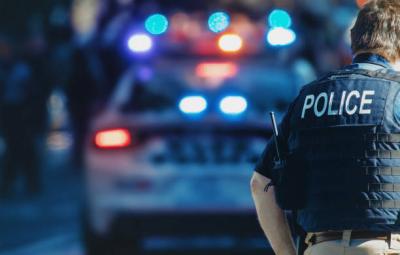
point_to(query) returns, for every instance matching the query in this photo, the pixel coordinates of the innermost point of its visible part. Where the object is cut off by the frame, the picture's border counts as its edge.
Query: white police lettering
(323, 96)
(342, 102)
(330, 111)
(356, 94)
(308, 103)
(350, 103)
(365, 101)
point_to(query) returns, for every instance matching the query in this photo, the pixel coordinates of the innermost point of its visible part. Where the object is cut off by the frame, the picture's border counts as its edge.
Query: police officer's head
(377, 29)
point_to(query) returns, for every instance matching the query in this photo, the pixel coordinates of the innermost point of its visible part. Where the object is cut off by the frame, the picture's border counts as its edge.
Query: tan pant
(356, 247)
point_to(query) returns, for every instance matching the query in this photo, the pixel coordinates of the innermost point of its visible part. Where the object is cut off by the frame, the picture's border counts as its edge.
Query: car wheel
(122, 246)
(93, 243)
(110, 244)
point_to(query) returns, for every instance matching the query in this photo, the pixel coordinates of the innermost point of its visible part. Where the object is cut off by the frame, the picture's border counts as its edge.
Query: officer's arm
(272, 218)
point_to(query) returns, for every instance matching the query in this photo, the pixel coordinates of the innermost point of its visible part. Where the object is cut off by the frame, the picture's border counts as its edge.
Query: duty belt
(316, 238)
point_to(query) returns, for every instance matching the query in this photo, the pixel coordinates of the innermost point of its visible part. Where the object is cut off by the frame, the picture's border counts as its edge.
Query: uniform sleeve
(266, 161)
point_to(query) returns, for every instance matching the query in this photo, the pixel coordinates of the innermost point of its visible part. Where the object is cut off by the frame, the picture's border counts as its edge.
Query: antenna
(276, 134)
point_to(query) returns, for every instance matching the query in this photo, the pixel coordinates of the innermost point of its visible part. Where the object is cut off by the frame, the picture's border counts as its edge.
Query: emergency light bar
(193, 104)
(233, 105)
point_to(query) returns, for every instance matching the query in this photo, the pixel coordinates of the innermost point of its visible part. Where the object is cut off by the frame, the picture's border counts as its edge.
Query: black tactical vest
(346, 128)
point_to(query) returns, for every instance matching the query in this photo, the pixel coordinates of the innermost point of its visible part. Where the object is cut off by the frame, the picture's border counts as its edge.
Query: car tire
(122, 246)
(109, 244)
(93, 243)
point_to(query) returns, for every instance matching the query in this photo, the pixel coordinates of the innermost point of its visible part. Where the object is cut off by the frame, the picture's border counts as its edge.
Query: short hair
(377, 29)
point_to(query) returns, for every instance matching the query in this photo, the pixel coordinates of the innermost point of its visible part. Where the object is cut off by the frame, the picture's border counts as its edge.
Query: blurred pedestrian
(87, 75)
(18, 118)
(100, 28)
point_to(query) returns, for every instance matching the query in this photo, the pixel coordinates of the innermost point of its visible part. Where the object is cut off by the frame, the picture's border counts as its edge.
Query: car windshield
(154, 87)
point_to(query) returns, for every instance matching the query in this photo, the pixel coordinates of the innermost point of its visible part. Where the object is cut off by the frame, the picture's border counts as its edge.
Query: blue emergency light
(233, 105)
(193, 104)
(281, 36)
(140, 43)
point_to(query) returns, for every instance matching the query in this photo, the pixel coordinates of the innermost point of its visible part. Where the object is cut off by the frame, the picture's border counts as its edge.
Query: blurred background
(133, 126)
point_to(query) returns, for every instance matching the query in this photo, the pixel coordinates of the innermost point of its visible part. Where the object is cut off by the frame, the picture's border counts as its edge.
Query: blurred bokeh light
(233, 105)
(281, 36)
(156, 24)
(218, 22)
(193, 104)
(217, 70)
(230, 43)
(114, 138)
(361, 3)
(140, 43)
(279, 18)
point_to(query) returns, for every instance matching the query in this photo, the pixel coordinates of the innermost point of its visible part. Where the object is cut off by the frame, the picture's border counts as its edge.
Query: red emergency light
(113, 138)
(223, 70)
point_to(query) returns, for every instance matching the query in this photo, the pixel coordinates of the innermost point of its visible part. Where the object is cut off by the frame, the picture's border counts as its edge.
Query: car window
(152, 88)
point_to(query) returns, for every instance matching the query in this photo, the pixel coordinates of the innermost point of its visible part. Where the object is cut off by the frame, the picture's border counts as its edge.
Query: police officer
(345, 129)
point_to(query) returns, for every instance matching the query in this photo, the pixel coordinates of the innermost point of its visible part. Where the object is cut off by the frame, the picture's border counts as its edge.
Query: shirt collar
(373, 59)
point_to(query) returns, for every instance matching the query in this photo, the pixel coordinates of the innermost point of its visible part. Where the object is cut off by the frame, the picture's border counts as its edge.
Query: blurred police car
(173, 152)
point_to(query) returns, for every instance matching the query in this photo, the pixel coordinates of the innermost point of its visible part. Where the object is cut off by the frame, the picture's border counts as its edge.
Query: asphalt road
(26, 221)
(69, 244)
